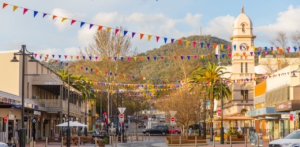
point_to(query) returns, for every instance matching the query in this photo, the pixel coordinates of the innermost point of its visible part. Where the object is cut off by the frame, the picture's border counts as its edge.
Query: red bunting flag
(25, 10)
(73, 21)
(100, 27)
(157, 38)
(175, 57)
(4, 5)
(117, 30)
(244, 54)
(141, 36)
(54, 16)
(179, 42)
(215, 45)
(194, 43)
(108, 58)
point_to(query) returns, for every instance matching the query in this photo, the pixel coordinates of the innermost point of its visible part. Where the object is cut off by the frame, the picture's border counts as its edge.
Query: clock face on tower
(244, 47)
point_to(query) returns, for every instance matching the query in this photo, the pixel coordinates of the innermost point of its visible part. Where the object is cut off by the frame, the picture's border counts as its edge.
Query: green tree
(210, 75)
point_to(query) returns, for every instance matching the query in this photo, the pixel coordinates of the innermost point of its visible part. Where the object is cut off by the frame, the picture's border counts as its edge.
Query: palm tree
(63, 74)
(210, 75)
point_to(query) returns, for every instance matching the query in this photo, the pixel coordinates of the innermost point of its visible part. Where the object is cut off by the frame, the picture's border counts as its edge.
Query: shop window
(246, 67)
(244, 94)
(241, 67)
(243, 28)
(2, 125)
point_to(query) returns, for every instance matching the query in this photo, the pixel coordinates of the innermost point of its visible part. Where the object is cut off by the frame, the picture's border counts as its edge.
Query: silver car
(291, 140)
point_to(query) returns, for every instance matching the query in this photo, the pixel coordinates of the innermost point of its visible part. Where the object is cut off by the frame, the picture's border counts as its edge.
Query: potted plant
(102, 143)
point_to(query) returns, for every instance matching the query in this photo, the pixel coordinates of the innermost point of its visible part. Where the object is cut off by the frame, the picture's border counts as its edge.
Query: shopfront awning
(16, 101)
(46, 79)
(263, 112)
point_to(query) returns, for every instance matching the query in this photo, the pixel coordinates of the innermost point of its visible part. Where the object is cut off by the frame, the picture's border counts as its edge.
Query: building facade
(46, 99)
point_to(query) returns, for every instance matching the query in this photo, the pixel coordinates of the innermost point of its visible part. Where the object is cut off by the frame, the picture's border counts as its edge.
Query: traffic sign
(219, 112)
(121, 115)
(122, 109)
(5, 119)
(172, 122)
(33, 120)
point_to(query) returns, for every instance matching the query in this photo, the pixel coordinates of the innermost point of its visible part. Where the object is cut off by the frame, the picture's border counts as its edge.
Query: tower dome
(242, 26)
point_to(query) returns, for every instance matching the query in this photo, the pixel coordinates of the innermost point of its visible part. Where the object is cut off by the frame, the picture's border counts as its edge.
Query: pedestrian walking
(190, 131)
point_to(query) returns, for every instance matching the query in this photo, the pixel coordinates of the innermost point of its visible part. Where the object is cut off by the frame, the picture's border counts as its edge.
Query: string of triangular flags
(125, 32)
(131, 85)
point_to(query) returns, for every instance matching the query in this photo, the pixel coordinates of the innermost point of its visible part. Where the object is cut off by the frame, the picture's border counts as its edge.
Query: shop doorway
(33, 128)
(10, 129)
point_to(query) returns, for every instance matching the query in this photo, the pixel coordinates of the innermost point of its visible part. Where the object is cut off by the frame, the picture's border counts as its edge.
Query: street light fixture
(23, 52)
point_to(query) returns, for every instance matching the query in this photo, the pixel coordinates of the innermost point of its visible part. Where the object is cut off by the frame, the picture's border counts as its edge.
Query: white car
(293, 139)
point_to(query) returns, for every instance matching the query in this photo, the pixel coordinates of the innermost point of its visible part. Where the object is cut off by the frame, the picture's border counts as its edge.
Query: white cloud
(287, 21)
(194, 21)
(107, 18)
(64, 13)
(220, 26)
(142, 18)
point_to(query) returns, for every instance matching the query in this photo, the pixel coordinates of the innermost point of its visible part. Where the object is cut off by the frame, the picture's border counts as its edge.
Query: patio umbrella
(72, 124)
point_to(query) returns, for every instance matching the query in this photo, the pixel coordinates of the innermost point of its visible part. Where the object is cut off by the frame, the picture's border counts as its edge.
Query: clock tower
(243, 39)
(242, 66)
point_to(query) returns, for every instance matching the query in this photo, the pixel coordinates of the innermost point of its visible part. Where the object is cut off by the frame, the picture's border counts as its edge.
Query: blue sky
(169, 18)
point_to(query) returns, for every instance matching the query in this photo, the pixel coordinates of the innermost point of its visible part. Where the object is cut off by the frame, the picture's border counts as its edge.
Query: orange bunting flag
(149, 37)
(187, 43)
(179, 42)
(141, 58)
(4, 5)
(63, 19)
(96, 70)
(77, 57)
(209, 56)
(120, 75)
(244, 54)
(280, 51)
(247, 48)
(215, 46)
(277, 48)
(109, 58)
(141, 36)
(15, 8)
(107, 30)
(100, 27)
(175, 57)
(54, 16)
(72, 65)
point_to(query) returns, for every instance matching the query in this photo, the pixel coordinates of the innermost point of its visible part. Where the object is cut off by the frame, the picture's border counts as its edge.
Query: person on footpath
(190, 131)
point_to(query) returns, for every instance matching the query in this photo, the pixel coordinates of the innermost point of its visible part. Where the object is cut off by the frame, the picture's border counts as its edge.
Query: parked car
(162, 118)
(291, 140)
(142, 124)
(159, 129)
(153, 116)
(146, 117)
(174, 131)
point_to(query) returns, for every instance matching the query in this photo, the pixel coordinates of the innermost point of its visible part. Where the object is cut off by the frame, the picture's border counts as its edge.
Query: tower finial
(242, 9)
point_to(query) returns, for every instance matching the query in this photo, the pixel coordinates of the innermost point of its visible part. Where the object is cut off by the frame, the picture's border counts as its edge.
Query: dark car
(194, 126)
(153, 116)
(158, 130)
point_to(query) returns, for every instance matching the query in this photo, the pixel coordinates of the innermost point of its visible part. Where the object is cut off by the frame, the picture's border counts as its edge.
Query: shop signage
(10, 116)
(285, 116)
(287, 105)
(37, 112)
(293, 113)
(5, 119)
(271, 117)
(291, 117)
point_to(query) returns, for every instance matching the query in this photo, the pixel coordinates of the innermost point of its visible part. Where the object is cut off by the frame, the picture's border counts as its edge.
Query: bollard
(34, 143)
(109, 140)
(62, 141)
(78, 144)
(179, 141)
(245, 141)
(117, 138)
(230, 142)
(269, 139)
(112, 141)
(195, 141)
(30, 144)
(131, 137)
(149, 136)
(121, 138)
(46, 142)
(213, 140)
(95, 141)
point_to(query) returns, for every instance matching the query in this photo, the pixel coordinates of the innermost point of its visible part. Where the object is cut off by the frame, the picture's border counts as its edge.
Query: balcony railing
(58, 103)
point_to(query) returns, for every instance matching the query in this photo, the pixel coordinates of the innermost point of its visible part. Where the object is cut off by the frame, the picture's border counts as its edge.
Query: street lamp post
(204, 122)
(23, 53)
(117, 129)
(294, 75)
(200, 118)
